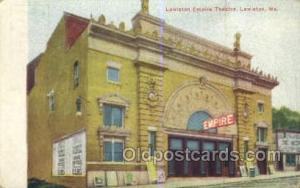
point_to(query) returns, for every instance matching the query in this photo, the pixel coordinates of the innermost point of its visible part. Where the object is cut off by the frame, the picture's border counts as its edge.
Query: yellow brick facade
(185, 76)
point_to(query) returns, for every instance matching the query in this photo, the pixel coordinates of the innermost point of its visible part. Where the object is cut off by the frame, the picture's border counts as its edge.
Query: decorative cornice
(153, 65)
(243, 90)
(114, 99)
(171, 29)
(262, 124)
(165, 46)
(149, 18)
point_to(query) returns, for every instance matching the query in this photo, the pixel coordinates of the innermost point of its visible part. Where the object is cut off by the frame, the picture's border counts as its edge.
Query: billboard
(69, 155)
(288, 142)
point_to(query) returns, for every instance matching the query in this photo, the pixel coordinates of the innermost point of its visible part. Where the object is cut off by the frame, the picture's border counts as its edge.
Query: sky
(272, 37)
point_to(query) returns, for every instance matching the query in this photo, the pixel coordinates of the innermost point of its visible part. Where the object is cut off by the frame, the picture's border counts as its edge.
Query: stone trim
(159, 66)
(261, 145)
(113, 99)
(113, 64)
(117, 132)
(105, 132)
(151, 128)
(197, 134)
(261, 124)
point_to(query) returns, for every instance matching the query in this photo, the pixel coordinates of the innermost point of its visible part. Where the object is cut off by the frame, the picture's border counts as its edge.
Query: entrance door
(222, 167)
(175, 167)
(209, 166)
(280, 162)
(193, 167)
(262, 165)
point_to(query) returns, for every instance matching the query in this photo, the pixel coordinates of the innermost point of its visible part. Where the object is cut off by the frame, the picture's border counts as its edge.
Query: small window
(78, 104)
(113, 150)
(261, 135)
(290, 160)
(152, 142)
(76, 76)
(246, 148)
(113, 115)
(260, 107)
(113, 74)
(51, 101)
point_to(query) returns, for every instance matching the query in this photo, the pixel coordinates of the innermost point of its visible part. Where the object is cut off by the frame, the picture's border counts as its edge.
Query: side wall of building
(124, 93)
(55, 73)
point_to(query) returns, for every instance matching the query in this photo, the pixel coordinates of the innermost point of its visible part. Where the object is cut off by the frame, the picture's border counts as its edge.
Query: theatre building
(100, 88)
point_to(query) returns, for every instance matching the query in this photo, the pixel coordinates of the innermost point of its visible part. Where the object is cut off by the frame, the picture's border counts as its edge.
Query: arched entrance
(186, 110)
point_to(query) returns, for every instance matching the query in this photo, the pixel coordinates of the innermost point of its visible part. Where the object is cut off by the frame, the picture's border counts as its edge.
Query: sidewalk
(193, 182)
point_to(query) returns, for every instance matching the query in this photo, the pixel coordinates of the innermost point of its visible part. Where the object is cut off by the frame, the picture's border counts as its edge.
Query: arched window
(196, 121)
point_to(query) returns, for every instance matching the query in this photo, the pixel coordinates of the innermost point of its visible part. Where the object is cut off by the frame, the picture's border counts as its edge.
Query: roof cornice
(138, 40)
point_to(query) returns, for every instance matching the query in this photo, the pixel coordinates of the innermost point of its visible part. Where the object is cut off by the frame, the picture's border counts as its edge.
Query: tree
(285, 118)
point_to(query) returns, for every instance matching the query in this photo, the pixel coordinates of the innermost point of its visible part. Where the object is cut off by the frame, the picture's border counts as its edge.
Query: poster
(152, 172)
(269, 32)
(69, 156)
(243, 171)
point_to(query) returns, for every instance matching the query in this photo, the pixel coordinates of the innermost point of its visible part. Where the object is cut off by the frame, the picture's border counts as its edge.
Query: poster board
(152, 172)
(161, 177)
(243, 171)
(257, 173)
(130, 178)
(111, 178)
(271, 169)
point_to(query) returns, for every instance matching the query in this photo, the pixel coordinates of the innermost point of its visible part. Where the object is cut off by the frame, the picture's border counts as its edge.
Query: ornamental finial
(145, 6)
(237, 44)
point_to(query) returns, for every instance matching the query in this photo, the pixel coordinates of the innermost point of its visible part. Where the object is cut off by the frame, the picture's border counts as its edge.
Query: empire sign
(221, 121)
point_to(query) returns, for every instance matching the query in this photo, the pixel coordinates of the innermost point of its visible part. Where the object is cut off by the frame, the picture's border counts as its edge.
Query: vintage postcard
(153, 93)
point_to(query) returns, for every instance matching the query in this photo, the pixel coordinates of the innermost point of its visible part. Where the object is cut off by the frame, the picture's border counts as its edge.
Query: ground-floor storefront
(288, 143)
(289, 162)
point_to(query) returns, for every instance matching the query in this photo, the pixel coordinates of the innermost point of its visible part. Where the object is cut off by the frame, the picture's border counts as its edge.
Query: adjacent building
(288, 143)
(100, 88)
